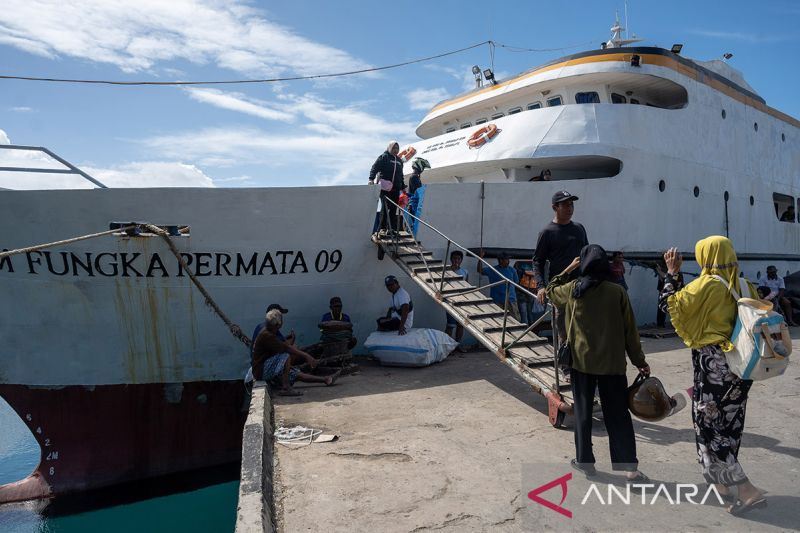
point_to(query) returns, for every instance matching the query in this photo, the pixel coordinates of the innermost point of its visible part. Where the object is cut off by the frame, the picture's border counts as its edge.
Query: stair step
(477, 301)
(499, 329)
(455, 290)
(414, 254)
(447, 277)
(539, 364)
(489, 314)
(431, 265)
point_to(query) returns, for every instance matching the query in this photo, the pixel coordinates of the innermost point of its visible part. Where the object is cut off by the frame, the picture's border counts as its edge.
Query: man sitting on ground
(400, 316)
(290, 339)
(330, 331)
(777, 289)
(273, 359)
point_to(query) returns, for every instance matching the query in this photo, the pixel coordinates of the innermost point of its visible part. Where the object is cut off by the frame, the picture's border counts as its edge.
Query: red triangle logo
(562, 481)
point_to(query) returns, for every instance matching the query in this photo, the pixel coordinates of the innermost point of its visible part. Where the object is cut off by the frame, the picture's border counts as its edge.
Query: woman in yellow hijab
(704, 314)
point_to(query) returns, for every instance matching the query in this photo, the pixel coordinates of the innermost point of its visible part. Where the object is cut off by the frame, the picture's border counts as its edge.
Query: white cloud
(425, 99)
(238, 102)
(151, 174)
(138, 37)
(21, 109)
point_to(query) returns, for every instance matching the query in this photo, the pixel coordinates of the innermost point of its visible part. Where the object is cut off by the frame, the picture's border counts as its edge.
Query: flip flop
(333, 377)
(289, 392)
(739, 508)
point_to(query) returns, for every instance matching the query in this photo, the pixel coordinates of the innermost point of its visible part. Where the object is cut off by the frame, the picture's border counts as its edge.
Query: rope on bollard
(235, 330)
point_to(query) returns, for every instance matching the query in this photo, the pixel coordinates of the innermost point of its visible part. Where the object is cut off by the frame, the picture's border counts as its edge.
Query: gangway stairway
(514, 343)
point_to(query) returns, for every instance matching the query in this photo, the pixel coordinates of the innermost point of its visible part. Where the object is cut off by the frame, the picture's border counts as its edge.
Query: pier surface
(446, 448)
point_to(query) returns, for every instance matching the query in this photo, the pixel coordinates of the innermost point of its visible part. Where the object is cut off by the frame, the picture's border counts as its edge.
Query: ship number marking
(28, 417)
(47, 442)
(39, 430)
(324, 259)
(52, 470)
(52, 456)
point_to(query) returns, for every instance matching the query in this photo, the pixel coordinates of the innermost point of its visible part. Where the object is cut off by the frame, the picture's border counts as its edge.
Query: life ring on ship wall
(482, 136)
(407, 154)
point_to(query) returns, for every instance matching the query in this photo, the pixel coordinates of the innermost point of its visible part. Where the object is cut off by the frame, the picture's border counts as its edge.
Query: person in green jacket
(601, 328)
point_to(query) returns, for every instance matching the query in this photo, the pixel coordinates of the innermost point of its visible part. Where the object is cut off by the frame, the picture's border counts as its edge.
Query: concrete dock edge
(254, 514)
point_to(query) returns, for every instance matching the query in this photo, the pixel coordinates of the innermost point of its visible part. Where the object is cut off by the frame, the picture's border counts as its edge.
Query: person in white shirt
(777, 288)
(400, 316)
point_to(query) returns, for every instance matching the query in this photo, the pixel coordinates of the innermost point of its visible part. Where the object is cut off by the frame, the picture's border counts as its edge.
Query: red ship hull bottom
(98, 436)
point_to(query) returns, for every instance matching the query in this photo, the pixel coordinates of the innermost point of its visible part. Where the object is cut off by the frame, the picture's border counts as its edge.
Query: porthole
(723, 114)
(752, 201)
(662, 185)
(727, 196)
(755, 126)
(696, 191)
(783, 137)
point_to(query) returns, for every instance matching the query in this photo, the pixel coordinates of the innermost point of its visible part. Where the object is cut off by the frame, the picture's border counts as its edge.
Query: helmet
(648, 400)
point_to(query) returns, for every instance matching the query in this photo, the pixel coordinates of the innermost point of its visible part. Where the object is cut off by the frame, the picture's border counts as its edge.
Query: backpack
(761, 339)
(528, 279)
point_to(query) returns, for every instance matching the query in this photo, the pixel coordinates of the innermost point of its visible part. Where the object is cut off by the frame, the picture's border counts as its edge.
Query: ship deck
(445, 448)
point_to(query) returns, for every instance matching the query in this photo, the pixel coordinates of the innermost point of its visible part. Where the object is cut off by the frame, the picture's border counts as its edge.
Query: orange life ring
(482, 136)
(407, 154)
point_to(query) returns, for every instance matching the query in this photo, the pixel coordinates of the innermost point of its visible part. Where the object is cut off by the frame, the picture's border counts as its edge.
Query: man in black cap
(400, 316)
(559, 243)
(289, 340)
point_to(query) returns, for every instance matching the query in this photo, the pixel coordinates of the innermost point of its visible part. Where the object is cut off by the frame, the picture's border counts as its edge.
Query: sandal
(333, 378)
(739, 508)
(588, 470)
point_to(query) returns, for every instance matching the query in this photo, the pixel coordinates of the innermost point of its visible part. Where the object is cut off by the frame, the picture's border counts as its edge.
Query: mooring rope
(66, 241)
(235, 330)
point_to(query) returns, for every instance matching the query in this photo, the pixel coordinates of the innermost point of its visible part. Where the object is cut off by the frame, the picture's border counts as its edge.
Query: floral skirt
(719, 400)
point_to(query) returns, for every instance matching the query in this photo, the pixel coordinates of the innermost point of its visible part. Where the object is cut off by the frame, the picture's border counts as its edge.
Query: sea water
(208, 509)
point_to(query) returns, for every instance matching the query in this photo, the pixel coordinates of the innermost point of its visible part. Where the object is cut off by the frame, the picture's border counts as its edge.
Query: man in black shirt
(559, 243)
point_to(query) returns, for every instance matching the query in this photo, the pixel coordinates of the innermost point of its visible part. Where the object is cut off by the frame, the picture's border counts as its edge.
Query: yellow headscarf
(704, 312)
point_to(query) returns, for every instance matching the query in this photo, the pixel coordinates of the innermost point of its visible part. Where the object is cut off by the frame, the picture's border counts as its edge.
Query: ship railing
(70, 168)
(404, 217)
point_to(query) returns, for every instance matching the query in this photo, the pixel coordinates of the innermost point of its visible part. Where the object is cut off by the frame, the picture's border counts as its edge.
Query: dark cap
(335, 301)
(503, 255)
(278, 307)
(563, 196)
(388, 280)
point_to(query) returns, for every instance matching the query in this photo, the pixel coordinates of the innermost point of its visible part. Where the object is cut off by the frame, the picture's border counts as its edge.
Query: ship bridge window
(533, 105)
(514, 110)
(498, 115)
(570, 168)
(554, 101)
(634, 101)
(784, 207)
(587, 98)
(449, 130)
(646, 89)
(466, 125)
(618, 99)
(481, 121)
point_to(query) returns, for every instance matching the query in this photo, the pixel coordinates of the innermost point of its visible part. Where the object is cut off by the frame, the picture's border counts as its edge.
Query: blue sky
(312, 132)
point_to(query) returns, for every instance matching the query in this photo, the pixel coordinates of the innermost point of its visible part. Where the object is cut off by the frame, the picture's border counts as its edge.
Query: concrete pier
(447, 448)
(254, 512)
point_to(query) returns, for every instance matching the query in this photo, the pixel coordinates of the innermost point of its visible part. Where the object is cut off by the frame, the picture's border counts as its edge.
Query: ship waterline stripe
(649, 59)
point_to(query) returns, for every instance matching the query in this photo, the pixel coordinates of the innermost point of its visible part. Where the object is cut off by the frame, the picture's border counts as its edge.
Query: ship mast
(617, 40)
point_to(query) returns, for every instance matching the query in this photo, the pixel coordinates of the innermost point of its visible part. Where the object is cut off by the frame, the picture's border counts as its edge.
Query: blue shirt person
(498, 292)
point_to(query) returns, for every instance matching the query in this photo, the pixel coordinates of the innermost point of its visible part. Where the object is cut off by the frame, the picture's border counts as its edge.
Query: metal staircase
(514, 343)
